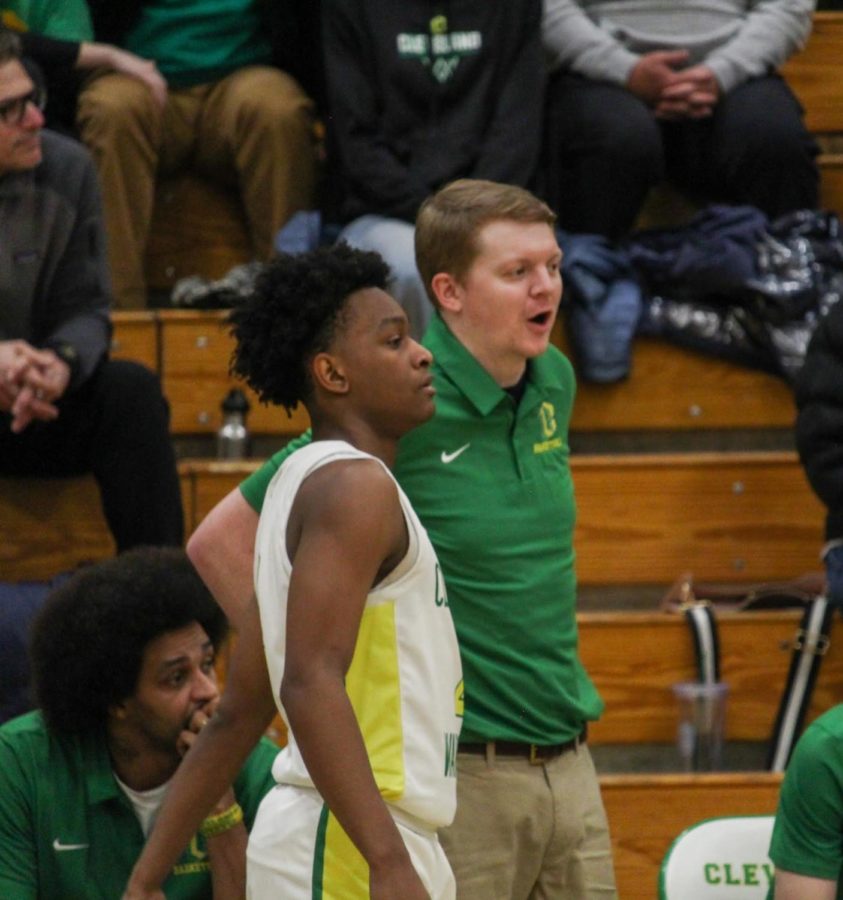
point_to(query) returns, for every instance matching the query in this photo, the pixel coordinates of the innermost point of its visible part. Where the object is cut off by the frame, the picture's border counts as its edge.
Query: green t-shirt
(68, 19)
(68, 831)
(491, 482)
(808, 834)
(199, 41)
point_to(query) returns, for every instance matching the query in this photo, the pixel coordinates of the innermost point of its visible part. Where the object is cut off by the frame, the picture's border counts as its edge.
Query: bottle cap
(235, 402)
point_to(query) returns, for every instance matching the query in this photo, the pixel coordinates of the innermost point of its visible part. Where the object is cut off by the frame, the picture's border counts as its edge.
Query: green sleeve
(69, 20)
(808, 834)
(254, 487)
(18, 850)
(255, 779)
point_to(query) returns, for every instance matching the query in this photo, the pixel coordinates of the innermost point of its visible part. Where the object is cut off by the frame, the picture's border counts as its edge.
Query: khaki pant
(253, 129)
(526, 832)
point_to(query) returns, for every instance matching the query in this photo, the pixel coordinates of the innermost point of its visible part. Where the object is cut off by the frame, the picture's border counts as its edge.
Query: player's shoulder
(346, 484)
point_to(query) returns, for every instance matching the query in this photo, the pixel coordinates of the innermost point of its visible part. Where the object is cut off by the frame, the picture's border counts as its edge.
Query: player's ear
(329, 373)
(449, 292)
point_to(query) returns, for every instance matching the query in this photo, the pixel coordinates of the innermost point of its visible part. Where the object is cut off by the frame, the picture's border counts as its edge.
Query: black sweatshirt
(422, 92)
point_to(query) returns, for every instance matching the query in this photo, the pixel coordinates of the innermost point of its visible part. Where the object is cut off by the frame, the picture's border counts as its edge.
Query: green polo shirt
(68, 831)
(491, 482)
(200, 41)
(68, 20)
(808, 834)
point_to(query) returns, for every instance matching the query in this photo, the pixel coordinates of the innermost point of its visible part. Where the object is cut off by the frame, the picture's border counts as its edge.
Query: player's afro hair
(89, 638)
(292, 315)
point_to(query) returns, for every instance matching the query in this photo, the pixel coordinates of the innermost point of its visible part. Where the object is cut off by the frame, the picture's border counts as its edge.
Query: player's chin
(424, 406)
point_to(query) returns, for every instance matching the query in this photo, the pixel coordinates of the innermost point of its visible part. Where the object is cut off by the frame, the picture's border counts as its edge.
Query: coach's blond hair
(449, 222)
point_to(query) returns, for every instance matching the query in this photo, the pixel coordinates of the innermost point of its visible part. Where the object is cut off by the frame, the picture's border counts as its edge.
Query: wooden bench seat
(669, 388)
(673, 389)
(642, 519)
(648, 812)
(49, 526)
(816, 76)
(195, 353)
(635, 658)
(135, 336)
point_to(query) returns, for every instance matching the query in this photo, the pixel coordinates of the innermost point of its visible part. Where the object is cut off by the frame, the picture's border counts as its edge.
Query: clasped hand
(31, 383)
(672, 91)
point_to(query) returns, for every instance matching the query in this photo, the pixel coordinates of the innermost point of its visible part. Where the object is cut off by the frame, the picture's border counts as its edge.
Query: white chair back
(719, 859)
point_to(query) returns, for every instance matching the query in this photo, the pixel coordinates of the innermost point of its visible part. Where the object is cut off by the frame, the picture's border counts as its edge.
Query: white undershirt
(146, 803)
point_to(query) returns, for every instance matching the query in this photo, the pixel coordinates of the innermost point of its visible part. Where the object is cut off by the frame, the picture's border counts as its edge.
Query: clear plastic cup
(702, 724)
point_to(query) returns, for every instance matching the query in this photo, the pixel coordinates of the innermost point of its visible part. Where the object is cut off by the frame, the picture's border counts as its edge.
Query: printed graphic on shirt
(194, 860)
(548, 426)
(440, 50)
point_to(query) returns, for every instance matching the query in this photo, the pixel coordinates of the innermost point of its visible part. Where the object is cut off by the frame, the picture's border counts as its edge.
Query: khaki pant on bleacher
(253, 128)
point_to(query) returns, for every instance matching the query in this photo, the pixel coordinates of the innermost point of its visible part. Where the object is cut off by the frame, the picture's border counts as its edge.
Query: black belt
(536, 753)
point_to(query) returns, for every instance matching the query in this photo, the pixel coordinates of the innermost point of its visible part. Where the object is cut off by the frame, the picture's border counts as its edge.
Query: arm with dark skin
(246, 708)
(227, 850)
(348, 513)
(222, 549)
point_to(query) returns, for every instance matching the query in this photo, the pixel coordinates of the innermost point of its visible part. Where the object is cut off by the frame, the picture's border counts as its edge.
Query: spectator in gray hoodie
(644, 90)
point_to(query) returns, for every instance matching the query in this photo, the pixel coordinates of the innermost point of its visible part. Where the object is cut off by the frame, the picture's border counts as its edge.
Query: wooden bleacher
(195, 350)
(647, 812)
(673, 389)
(759, 520)
(635, 658)
(642, 519)
(669, 389)
(816, 76)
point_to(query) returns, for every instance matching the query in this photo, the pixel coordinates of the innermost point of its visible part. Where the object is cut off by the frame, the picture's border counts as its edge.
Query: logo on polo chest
(548, 428)
(440, 50)
(61, 847)
(448, 458)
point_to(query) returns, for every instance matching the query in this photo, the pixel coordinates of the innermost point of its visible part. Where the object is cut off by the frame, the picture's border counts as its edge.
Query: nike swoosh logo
(450, 457)
(59, 846)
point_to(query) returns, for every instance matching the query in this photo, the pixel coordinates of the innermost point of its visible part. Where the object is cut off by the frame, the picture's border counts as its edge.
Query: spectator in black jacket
(819, 435)
(420, 94)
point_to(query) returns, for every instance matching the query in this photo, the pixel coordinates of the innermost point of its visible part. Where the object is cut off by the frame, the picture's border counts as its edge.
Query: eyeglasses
(13, 111)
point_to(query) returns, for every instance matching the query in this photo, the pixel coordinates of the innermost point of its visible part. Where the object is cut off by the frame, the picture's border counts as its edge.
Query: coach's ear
(328, 373)
(449, 292)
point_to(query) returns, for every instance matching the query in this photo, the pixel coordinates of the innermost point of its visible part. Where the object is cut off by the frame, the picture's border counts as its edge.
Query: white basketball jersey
(405, 679)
